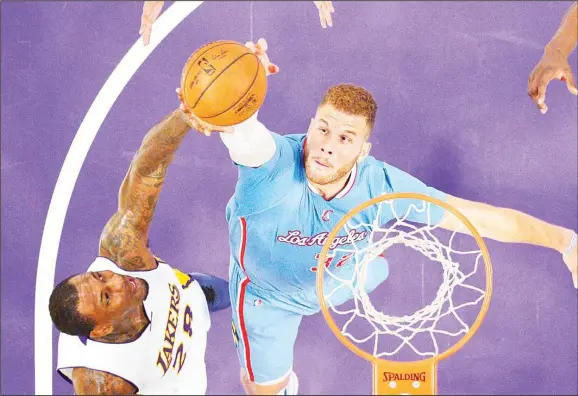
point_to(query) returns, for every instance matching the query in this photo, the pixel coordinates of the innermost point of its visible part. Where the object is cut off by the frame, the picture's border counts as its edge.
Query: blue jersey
(278, 222)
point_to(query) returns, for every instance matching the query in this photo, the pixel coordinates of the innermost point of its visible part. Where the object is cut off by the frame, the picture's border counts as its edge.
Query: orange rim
(332, 235)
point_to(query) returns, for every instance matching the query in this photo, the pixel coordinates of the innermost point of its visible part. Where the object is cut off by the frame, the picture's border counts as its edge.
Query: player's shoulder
(289, 146)
(374, 175)
(295, 138)
(371, 167)
(294, 141)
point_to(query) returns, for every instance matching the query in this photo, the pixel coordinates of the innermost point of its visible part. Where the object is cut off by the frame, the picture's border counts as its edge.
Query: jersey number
(181, 356)
(345, 258)
(165, 357)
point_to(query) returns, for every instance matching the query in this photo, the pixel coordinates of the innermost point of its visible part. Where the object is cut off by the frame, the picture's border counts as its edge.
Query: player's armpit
(93, 382)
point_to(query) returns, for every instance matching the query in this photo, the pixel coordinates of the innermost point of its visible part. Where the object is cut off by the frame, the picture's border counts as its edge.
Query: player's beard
(323, 178)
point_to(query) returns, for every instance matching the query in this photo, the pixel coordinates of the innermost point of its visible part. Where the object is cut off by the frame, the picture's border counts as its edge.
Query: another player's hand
(196, 123)
(260, 49)
(571, 261)
(150, 12)
(325, 10)
(553, 65)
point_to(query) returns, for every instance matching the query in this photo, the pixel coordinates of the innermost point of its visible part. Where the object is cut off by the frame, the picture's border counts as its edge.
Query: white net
(404, 331)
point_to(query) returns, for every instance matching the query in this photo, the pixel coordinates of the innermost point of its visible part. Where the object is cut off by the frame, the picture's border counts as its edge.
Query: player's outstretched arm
(124, 238)
(554, 62)
(150, 12)
(509, 225)
(93, 382)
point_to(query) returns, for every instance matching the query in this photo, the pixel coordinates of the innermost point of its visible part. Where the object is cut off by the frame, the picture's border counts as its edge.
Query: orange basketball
(224, 83)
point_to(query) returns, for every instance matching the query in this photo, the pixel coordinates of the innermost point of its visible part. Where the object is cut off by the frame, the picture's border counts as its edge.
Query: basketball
(223, 83)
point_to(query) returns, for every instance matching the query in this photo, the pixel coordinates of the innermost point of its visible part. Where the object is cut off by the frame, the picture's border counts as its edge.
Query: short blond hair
(352, 99)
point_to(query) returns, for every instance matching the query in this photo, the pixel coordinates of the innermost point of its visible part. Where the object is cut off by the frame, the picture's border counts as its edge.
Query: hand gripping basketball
(196, 123)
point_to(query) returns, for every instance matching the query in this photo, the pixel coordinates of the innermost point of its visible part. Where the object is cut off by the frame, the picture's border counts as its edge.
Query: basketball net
(417, 376)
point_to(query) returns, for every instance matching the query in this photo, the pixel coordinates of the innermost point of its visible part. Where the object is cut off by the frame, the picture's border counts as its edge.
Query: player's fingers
(215, 128)
(328, 18)
(146, 27)
(180, 95)
(322, 19)
(208, 129)
(183, 105)
(544, 79)
(157, 8)
(273, 68)
(570, 82)
(533, 84)
(330, 6)
(202, 127)
(251, 46)
(540, 97)
(146, 36)
(262, 45)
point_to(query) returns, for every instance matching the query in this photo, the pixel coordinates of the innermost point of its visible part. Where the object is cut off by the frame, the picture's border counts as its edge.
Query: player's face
(335, 141)
(110, 298)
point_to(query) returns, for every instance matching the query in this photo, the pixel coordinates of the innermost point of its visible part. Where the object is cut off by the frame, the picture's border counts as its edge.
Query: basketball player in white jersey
(132, 323)
(291, 191)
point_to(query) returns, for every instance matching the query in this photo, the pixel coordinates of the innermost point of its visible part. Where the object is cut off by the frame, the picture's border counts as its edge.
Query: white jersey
(169, 356)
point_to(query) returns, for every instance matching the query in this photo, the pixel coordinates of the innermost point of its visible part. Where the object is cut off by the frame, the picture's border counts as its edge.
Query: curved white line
(75, 157)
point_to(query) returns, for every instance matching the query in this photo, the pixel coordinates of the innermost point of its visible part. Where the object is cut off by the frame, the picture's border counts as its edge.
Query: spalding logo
(387, 376)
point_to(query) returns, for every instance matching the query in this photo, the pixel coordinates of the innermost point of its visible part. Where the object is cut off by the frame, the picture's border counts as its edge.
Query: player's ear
(100, 331)
(364, 151)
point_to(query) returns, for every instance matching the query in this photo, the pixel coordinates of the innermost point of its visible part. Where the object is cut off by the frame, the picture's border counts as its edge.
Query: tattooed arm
(124, 238)
(94, 382)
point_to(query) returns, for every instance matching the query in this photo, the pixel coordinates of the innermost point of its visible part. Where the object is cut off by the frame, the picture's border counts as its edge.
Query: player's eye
(345, 138)
(99, 275)
(323, 130)
(107, 297)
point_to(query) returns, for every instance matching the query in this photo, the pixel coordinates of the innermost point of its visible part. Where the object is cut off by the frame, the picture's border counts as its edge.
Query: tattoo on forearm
(94, 382)
(125, 235)
(159, 146)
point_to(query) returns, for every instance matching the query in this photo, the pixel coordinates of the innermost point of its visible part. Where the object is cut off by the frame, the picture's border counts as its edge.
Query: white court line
(75, 157)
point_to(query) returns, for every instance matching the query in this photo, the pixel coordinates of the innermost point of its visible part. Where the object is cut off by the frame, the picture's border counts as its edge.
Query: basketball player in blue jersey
(291, 192)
